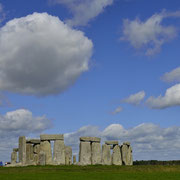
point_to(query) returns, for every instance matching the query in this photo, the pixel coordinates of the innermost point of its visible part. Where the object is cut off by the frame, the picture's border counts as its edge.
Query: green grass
(91, 172)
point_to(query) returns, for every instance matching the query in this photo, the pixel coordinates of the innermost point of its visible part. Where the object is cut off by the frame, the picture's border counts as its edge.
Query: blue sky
(107, 68)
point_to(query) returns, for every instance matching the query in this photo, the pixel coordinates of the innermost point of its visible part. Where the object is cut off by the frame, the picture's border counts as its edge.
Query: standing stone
(45, 146)
(59, 152)
(130, 156)
(36, 151)
(29, 153)
(126, 151)
(106, 155)
(22, 150)
(74, 159)
(14, 157)
(116, 156)
(68, 155)
(42, 158)
(85, 153)
(96, 153)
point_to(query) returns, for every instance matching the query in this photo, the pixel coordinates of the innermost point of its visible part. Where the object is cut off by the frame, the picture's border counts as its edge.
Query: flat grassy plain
(147, 172)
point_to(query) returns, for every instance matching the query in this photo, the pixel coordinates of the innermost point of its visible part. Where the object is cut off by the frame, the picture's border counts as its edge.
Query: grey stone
(45, 147)
(59, 152)
(74, 159)
(15, 149)
(96, 153)
(29, 153)
(51, 137)
(68, 155)
(42, 158)
(116, 156)
(33, 141)
(111, 142)
(106, 155)
(126, 151)
(22, 150)
(90, 139)
(14, 157)
(36, 148)
(85, 153)
(126, 143)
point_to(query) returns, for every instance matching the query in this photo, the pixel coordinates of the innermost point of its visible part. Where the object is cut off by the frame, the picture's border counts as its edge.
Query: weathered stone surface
(45, 147)
(90, 139)
(29, 153)
(42, 158)
(116, 156)
(36, 148)
(130, 156)
(68, 155)
(96, 153)
(33, 141)
(85, 153)
(126, 151)
(15, 149)
(51, 137)
(111, 142)
(22, 149)
(14, 157)
(106, 155)
(74, 159)
(59, 152)
(126, 143)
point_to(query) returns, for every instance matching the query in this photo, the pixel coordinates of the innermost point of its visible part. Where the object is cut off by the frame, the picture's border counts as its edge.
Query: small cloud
(83, 10)
(135, 99)
(117, 110)
(172, 76)
(170, 99)
(149, 35)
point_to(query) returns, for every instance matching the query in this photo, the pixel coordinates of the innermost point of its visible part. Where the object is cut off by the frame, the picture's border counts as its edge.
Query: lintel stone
(33, 141)
(51, 137)
(90, 139)
(111, 142)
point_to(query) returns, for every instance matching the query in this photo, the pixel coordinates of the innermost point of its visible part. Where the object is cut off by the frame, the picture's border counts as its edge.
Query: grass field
(91, 172)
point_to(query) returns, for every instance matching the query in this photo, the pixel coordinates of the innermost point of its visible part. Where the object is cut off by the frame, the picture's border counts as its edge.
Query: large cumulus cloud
(40, 55)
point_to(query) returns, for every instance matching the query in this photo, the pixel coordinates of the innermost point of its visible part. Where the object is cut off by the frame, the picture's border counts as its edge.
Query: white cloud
(84, 10)
(173, 76)
(150, 34)
(171, 98)
(135, 99)
(40, 55)
(19, 123)
(149, 141)
(117, 110)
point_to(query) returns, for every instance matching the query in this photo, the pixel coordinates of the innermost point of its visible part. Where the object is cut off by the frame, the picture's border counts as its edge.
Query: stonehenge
(91, 152)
